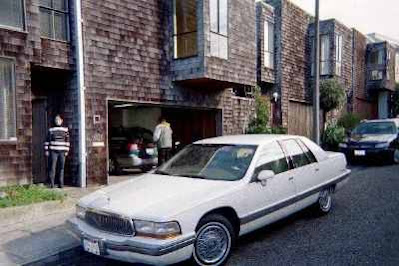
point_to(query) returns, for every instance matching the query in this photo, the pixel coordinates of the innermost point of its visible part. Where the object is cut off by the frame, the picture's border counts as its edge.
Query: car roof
(395, 120)
(258, 139)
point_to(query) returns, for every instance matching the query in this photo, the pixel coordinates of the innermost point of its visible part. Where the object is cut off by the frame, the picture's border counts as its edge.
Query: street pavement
(362, 229)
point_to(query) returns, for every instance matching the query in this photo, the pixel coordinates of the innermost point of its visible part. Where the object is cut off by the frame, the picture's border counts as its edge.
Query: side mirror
(265, 175)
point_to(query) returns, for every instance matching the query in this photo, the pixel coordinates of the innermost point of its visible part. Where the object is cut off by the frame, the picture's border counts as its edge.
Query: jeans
(57, 157)
(164, 154)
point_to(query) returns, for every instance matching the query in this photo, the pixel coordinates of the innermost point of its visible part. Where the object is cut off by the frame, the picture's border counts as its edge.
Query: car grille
(110, 223)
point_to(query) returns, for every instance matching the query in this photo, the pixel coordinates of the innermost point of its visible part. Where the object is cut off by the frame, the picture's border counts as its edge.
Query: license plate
(91, 246)
(150, 151)
(360, 153)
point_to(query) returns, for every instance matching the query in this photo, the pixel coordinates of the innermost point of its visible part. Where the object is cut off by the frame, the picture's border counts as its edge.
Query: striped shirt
(57, 139)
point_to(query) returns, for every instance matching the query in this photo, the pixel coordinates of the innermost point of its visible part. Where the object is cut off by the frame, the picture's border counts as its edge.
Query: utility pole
(316, 93)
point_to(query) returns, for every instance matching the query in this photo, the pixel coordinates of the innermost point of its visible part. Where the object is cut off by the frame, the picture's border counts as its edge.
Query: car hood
(372, 138)
(156, 197)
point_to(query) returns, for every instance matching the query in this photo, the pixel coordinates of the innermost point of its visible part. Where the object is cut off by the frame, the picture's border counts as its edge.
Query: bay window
(219, 28)
(185, 28)
(12, 14)
(7, 99)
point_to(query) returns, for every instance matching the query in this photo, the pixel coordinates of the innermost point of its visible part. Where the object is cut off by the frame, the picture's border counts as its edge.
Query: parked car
(375, 139)
(131, 148)
(198, 203)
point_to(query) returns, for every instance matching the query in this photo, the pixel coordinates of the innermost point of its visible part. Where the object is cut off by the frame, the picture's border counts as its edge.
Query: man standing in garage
(163, 138)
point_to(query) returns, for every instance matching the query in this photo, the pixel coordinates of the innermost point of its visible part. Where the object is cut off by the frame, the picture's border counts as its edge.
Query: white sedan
(196, 205)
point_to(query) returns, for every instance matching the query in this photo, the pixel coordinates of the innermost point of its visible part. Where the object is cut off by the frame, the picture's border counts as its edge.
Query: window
(299, 158)
(54, 19)
(12, 13)
(376, 57)
(307, 152)
(219, 28)
(185, 28)
(376, 75)
(325, 55)
(272, 158)
(338, 55)
(7, 99)
(397, 67)
(269, 44)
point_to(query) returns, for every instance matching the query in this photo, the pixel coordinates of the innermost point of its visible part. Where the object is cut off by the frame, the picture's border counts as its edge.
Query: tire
(325, 202)
(395, 156)
(146, 169)
(114, 168)
(208, 248)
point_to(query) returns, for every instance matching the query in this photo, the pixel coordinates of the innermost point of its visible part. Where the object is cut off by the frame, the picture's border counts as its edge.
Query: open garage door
(132, 123)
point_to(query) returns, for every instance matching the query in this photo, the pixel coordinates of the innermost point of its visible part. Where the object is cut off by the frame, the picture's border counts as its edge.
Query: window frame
(397, 66)
(325, 61)
(176, 35)
(53, 11)
(270, 50)
(24, 24)
(14, 88)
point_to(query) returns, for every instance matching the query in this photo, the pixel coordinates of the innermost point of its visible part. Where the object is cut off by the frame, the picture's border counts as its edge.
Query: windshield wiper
(195, 176)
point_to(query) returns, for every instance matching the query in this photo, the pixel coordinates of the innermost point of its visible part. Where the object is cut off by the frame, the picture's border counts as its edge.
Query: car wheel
(146, 169)
(215, 237)
(324, 204)
(113, 168)
(396, 156)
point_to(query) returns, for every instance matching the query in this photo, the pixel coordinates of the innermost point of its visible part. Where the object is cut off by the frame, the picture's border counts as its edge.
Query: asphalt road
(363, 228)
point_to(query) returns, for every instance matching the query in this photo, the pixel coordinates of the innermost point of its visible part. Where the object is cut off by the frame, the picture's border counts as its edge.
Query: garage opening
(130, 132)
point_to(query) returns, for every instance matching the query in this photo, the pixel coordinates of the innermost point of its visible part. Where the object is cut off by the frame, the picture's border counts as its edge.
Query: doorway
(39, 134)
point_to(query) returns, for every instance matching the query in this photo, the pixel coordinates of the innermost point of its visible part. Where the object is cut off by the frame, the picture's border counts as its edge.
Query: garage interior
(188, 124)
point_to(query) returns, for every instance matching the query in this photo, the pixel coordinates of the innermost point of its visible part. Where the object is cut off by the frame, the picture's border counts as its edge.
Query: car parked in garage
(198, 203)
(373, 139)
(131, 148)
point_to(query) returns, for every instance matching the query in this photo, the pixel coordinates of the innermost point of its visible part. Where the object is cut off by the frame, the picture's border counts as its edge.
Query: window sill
(54, 40)
(268, 68)
(2, 27)
(186, 57)
(8, 141)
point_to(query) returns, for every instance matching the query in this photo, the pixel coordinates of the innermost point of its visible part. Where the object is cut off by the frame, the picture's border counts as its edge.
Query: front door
(270, 200)
(39, 134)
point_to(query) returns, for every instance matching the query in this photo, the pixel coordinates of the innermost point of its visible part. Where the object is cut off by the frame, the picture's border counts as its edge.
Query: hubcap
(325, 200)
(212, 243)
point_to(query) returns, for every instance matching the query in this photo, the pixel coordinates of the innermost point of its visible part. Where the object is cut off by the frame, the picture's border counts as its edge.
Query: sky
(367, 16)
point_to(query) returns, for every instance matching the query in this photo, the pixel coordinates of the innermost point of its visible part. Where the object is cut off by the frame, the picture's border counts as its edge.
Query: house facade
(107, 65)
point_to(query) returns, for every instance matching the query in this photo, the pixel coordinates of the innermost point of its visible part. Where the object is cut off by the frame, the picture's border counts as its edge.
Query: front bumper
(369, 153)
(135, 249)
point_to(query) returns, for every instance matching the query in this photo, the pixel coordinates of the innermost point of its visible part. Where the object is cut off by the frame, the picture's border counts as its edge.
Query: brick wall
(28, 49)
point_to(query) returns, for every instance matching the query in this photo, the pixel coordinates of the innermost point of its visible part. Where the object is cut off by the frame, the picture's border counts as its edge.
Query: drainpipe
(81, 91)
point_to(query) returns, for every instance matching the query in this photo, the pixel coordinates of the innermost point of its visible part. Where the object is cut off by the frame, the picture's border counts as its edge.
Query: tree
(332, 95)
(260, 122)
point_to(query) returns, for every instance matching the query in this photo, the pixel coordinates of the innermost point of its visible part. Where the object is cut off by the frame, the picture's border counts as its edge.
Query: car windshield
(375, 128)
(214, 162)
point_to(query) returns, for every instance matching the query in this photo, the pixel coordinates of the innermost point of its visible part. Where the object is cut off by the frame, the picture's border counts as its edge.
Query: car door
(306, 171)
(269, 201)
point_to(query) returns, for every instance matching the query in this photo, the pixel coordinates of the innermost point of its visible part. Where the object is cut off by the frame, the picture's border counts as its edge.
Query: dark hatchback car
(373, 139)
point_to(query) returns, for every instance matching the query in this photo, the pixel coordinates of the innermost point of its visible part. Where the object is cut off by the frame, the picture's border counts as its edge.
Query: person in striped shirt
(57, 148)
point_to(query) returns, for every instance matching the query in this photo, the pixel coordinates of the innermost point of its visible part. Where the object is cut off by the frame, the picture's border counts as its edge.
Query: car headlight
(157, 230)
(382, 145)
(343, 145)
(80, 212)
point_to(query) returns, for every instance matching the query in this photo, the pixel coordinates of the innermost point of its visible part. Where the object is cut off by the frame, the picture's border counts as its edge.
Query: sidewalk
(33, 233)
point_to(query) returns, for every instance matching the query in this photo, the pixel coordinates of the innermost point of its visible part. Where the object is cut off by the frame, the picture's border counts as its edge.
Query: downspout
(81, 92)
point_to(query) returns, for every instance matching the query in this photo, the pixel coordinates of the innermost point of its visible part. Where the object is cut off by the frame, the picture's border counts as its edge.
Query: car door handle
(317, 169)
(291, 178)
